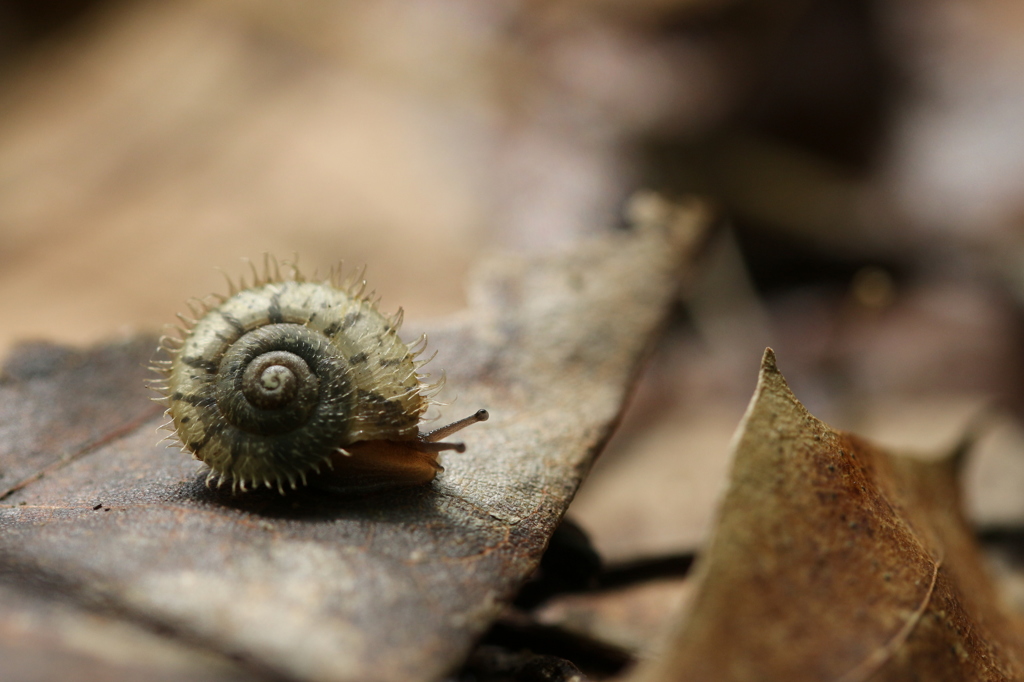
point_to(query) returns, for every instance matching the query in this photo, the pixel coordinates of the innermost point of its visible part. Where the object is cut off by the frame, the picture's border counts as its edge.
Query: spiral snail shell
(286, 379)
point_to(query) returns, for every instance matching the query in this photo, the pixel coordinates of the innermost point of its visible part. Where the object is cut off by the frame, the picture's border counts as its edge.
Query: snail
(286, 379)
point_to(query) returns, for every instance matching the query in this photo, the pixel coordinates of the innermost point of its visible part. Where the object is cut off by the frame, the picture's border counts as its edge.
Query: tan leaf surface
(396, 586)
(43, 636)
(632, 617)
(835, 560)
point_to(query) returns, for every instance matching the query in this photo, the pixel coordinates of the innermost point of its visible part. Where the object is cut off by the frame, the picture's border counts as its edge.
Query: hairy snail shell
(287, 379)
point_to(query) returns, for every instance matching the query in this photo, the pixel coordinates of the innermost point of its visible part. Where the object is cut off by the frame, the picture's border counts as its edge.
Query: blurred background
(866, 159)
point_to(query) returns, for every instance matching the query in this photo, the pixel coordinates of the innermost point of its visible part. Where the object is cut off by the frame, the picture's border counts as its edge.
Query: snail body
(286, 378)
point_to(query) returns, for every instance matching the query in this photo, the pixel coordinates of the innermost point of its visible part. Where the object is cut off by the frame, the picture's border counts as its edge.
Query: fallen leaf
(835, 560)
(395, 586)
(633, 617)
(43, 425)
(44, 637)
(656, 493)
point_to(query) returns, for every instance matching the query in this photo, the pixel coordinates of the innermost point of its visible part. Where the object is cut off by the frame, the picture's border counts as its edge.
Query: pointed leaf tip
(835, 559)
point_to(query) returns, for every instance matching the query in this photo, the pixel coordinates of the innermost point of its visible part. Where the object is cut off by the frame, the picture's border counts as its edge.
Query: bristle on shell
(381, 398)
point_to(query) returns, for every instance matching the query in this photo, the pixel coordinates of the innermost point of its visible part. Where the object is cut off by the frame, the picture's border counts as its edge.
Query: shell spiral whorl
(286, 376)
(268, 381)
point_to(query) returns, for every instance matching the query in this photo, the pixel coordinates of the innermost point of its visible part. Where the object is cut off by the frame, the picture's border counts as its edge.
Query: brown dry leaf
(396, 586)
(40, 427)
(835, 560)
(44, 636)
(633, 617)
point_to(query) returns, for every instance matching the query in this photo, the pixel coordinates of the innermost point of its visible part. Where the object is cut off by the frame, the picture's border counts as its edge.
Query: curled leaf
(835, 560)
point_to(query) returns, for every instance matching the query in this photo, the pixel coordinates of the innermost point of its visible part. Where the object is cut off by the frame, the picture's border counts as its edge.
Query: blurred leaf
(396, 586)
(835, 560)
